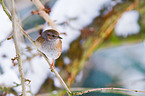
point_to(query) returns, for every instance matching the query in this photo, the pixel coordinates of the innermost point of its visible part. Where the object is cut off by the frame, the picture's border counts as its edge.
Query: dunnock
(49, 42)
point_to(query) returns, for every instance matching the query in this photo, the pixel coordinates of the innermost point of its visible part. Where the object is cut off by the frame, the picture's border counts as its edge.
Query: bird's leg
(52, 65)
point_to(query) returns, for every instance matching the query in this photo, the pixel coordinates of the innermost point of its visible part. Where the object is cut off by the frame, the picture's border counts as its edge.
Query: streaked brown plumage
(50, 43)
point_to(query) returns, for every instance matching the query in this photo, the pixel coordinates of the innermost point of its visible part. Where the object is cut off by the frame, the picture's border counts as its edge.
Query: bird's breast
(51, 49)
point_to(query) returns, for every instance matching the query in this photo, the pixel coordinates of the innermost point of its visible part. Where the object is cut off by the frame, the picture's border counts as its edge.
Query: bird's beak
(59, 37)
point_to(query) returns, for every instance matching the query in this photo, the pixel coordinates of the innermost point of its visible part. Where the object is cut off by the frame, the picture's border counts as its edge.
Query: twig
(6, 11)
(104, 89)
(16, 42)
(43, 14)
(62, 82)
(30, 39)
(7, 89)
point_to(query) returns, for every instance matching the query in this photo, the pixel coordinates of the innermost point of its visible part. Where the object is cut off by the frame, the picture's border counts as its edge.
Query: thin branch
(5, 10)
(43, 14)
(61, 80)
(30, 39)
(16, 42)
(105, 89)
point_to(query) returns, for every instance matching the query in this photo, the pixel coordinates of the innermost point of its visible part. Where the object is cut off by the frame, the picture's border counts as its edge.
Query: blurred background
(103, 46)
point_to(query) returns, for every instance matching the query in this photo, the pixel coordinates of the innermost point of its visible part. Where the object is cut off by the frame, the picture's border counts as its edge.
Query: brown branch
(18, 53)
(104, 33)
(44, 14)
(96, 41)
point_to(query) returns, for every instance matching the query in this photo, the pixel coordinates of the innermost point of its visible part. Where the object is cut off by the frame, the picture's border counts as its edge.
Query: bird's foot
(52, 65)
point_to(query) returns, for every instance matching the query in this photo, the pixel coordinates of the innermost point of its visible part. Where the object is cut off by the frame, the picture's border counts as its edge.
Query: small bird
(49, 42)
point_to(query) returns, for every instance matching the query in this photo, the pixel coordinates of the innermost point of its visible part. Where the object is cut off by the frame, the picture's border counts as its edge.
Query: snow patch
(128, 24)
(5, 25)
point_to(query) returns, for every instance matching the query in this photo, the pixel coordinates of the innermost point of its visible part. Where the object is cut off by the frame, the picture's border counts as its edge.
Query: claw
(52, 65)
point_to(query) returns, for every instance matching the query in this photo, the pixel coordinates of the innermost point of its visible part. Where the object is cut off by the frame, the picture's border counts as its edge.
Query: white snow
(10, 94)
(79, 76)
(7, 49)
(66, 60)
(57, 82)
(128, 24)
(37, 73)
(5, 25)
(8, 78)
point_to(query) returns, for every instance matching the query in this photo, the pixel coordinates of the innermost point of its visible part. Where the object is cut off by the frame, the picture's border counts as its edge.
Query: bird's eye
(53, 35)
